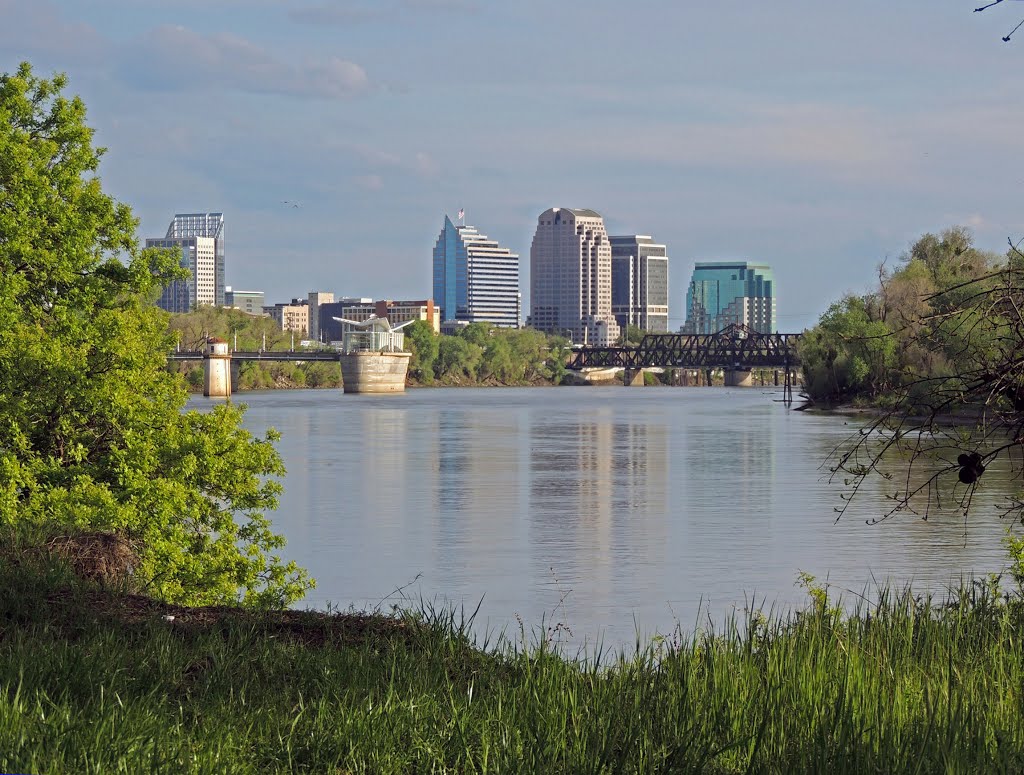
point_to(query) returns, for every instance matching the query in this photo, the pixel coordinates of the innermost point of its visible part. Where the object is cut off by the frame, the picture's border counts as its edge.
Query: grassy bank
(94, 680)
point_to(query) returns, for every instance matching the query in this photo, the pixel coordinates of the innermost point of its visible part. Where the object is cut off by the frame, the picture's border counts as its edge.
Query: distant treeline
(249, 332)
(478, 354)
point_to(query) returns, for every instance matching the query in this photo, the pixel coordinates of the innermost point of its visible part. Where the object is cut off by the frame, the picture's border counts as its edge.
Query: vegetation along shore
(100, 680)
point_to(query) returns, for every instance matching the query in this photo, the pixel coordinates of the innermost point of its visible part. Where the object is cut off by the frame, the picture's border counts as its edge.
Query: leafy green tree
(423, 345)
(918, 325)
(849, 353)
(529, 351)
(498, 361)
(558, 355)
(478, 333)
(631, 335)
(93, 436)
(457, 357)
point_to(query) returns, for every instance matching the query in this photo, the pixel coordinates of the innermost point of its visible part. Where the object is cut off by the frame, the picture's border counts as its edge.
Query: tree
(457, 357)
(956, 400)
(424, 347)
(631, 335)
(93, 436)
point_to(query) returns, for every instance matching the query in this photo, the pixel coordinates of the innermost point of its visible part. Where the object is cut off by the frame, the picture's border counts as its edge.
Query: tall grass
(904, 685)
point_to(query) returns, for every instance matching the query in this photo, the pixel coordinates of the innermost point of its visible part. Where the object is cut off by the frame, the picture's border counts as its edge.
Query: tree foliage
(93, 435)
(879, 346)
(940, 346)
(483, 353)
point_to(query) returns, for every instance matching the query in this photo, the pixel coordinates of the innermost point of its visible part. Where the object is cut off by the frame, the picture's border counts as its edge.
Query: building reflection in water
(475, 496)
(597, 510)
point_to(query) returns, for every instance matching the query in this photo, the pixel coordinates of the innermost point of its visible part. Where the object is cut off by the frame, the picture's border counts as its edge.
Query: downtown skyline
(818, 140)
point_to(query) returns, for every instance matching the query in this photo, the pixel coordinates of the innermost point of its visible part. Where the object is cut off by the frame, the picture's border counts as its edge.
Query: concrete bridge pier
(216, 369)
(738, 378)
(633, 377)
(236, 366)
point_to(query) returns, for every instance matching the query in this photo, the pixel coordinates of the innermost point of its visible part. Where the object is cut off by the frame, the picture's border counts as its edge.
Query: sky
(821, 138)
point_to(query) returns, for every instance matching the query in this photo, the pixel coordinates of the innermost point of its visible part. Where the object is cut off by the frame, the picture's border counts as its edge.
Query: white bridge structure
(374, 334)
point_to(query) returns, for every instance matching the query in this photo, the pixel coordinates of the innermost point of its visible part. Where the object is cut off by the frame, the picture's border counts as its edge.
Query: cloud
(424, 164)
(419, 163)
(36, 28)
(346, 12)
(369, 182)
(175, 57)
(336, 13)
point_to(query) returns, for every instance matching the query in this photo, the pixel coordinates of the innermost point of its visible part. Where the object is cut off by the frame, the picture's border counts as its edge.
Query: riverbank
(98, 680)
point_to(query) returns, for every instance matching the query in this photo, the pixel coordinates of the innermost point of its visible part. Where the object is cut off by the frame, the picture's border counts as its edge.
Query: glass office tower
(475, 279)
(724, 293)
(640, 283)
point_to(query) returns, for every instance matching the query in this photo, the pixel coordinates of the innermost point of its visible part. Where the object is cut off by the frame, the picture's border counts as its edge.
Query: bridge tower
(216, 368)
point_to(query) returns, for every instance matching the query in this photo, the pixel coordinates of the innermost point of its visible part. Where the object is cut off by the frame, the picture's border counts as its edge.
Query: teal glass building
(725, 293)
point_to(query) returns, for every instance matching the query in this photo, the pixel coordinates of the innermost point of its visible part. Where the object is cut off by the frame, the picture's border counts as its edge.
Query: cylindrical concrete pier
(374, 372)
(738, 378)
(216, 369)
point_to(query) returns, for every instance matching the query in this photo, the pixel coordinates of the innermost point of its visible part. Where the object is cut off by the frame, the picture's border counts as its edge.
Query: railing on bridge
(261, 355)
(734, 347)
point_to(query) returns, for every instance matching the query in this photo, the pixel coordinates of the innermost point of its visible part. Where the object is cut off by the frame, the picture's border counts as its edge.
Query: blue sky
(822, 138)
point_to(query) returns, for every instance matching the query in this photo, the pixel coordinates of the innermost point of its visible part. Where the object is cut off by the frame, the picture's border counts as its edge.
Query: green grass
(95, 681)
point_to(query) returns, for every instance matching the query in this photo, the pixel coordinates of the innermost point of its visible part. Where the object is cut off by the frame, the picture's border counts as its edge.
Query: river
(610, 511)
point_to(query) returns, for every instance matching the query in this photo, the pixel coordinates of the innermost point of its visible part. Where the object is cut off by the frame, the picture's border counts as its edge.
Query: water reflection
(609, 509)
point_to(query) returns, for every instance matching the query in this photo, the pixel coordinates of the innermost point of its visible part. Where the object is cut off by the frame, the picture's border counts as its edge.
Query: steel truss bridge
(734, 348)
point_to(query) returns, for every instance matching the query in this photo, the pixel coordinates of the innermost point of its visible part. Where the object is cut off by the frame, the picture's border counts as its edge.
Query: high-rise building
(316, 299)
(724, 293)
(199, 256)
(571, 277)
(204, 225)
(475, 279)
(640, 283)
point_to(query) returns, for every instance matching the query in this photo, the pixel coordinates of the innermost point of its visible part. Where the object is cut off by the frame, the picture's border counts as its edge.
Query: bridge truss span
(734, 347)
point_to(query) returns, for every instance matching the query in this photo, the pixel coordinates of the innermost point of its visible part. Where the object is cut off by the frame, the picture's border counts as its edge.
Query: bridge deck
(266, 355)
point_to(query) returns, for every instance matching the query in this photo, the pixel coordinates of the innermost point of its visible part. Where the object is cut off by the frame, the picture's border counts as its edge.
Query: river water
(612, 511)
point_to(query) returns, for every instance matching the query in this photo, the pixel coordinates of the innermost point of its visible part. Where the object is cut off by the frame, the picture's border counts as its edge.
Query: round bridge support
(738, 378)
(216, 369)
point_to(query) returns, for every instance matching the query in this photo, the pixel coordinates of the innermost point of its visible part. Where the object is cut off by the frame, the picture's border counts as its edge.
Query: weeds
(97, 680)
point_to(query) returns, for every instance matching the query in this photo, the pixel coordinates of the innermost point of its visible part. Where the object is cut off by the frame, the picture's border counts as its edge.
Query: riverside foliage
(937, 347)
(477, 354)
(92, 433)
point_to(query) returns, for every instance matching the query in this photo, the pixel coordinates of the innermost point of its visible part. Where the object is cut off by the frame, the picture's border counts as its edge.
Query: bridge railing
(261, 355)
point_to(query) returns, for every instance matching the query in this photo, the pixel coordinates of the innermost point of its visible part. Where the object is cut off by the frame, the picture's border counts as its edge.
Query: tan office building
(571, 277)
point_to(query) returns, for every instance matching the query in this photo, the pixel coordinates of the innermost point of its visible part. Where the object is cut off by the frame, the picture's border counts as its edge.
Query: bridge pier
(633, 377)
(738, 378)
(236, 366)
(217, 369)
